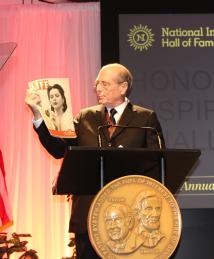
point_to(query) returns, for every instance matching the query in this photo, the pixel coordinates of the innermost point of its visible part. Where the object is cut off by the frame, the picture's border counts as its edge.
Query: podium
(86, 169)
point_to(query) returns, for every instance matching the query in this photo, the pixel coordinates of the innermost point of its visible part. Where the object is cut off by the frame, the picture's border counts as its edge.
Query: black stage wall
(198, 224)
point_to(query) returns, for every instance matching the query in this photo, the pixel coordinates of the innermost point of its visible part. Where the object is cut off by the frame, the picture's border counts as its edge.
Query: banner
(171, 57)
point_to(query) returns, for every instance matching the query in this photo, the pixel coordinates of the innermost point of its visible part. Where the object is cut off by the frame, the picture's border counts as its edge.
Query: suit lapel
(125, 120)
(101, 120)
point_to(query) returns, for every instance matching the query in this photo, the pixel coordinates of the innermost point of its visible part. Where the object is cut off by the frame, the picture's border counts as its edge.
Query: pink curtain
(61, 40)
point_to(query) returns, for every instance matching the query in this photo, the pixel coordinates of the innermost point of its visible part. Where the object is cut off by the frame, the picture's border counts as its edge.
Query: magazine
(54, 103)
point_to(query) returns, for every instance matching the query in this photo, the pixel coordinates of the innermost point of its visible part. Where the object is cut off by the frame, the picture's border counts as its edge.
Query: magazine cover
(54, 103)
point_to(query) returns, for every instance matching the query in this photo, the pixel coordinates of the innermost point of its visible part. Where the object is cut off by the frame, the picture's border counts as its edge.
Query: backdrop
(61, 40)
(171, 56)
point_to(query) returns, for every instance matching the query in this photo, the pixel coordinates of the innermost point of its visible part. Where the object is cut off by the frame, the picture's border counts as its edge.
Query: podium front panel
(80, 172)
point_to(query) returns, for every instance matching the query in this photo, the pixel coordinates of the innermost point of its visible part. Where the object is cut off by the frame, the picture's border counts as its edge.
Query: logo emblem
(140, 37)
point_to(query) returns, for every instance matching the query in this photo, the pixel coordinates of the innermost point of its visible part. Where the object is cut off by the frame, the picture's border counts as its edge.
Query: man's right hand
(33, 101)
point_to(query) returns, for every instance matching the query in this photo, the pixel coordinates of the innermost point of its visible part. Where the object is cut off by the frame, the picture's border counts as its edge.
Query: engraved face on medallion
(148, 206)
(134, 216)
(119, 222)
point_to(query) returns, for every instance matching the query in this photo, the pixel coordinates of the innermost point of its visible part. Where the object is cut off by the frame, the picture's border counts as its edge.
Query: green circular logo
(140, 37)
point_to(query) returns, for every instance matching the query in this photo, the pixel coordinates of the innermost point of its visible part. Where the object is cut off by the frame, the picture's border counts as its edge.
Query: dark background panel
(111, 8)
(198, 225)
(196, 240)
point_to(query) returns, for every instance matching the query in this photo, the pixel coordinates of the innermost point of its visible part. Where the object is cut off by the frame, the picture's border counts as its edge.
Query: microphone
(129, 127)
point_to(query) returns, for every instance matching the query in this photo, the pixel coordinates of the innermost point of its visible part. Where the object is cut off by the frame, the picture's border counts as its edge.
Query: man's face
(150, 213)
(117, 224)
(109, 88)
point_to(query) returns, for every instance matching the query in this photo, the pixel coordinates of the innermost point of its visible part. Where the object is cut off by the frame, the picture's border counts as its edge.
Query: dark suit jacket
(86, 126)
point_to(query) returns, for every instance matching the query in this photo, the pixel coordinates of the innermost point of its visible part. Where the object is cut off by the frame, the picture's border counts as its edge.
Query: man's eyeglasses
(105, 85)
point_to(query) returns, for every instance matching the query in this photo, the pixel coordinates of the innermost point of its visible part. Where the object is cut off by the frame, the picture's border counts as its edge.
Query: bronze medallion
(134, 217)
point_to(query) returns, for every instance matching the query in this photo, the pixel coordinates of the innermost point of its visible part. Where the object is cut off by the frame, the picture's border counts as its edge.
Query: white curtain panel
(61, 40)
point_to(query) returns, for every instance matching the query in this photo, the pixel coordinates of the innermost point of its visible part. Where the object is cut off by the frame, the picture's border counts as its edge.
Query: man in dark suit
(112, 86)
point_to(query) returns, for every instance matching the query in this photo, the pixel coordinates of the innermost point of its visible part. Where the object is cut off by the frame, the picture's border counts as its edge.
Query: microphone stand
(101, 172)
(162, 164)
(101, 157)
(162, 161)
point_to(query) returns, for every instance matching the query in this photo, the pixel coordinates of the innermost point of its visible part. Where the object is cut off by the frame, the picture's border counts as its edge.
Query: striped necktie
(112, 113)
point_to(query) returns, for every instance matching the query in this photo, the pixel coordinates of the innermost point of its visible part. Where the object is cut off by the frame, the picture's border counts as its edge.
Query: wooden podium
(86, 169)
